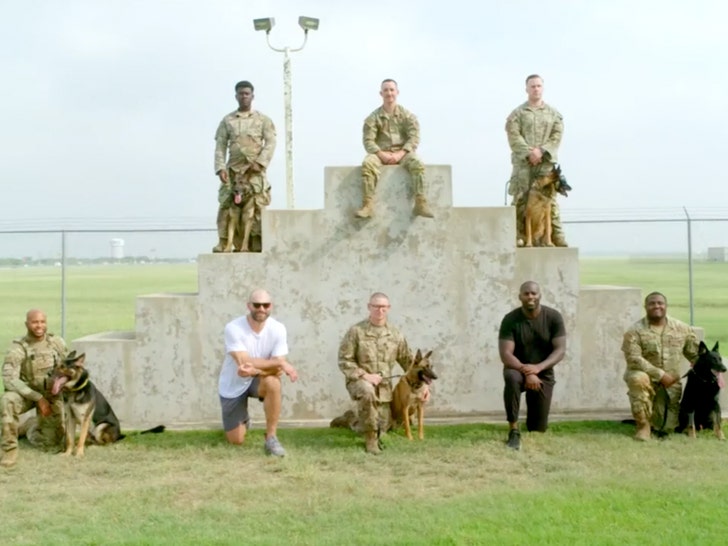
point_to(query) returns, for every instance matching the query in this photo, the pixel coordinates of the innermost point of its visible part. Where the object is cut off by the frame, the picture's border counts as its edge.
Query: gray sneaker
(274, 447)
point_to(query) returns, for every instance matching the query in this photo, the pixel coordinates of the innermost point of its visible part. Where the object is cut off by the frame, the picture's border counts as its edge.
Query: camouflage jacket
(246, 137)
(530, 127)
(656, 351)
(398, 131)
(28, 363)
(373, 349)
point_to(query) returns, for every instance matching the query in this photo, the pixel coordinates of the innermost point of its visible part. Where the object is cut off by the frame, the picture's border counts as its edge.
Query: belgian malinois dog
(407, 395)
(539, 199)
(700, 406)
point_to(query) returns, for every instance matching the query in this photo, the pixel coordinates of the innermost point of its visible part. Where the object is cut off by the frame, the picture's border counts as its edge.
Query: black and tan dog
(539, 199)
(699, 405)
(407, 396)
(241, 215)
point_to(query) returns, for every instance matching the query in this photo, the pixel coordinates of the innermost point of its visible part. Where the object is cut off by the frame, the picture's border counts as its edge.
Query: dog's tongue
(58, 383)
(721, 379)
(238, 198)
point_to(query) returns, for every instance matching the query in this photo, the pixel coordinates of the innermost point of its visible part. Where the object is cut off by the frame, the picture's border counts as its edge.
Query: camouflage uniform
(393, 132)
(25, 373)
(246, 137)
(532, 127)
(650, 352)
(372, 349)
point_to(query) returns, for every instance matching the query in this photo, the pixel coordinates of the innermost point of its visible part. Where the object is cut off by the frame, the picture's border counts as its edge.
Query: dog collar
(79, 387)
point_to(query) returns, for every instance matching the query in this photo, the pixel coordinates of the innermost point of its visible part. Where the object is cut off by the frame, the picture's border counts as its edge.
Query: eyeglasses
(373, 306)
(258, 305)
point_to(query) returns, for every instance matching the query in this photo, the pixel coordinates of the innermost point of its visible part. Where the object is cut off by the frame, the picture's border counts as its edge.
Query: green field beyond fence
(103, 297)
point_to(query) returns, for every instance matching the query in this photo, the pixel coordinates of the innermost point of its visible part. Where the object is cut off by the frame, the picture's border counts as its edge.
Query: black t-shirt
(533, 337)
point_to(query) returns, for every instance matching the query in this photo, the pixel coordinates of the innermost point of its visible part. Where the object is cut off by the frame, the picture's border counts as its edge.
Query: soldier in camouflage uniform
(367, 356)
(655, 349)
(248, 139)
(25, 372)
(391, 136)
(534, 132)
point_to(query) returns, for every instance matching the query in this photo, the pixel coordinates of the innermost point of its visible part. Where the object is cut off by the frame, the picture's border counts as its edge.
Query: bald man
(255, 358)
(25, 371)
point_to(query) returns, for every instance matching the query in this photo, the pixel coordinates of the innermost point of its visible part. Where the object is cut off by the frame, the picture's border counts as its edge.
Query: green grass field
(581, 483)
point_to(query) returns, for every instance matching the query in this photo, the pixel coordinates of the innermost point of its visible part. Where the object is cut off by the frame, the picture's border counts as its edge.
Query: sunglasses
(258, 305)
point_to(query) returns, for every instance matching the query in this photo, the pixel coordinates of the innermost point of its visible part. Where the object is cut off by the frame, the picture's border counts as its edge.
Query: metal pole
(289, 126)
(690, 268)
(63, 284)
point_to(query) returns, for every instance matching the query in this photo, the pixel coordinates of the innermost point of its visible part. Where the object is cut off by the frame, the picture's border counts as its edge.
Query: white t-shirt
(239, 336)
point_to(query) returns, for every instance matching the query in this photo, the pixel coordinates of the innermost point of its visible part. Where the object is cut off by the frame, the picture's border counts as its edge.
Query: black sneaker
(514, 439)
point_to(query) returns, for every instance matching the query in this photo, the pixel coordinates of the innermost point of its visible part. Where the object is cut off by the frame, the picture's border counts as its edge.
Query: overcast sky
(110, 107)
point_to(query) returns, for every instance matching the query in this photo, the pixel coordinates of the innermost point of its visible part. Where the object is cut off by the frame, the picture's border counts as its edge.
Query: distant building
(718, 254)
(117, 249)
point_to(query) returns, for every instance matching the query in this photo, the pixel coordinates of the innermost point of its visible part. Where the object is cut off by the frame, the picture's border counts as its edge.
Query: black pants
(538, 403)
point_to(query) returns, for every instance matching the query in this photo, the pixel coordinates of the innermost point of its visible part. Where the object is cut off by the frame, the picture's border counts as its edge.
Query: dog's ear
(715, 347)
(429, 353)
(702, 348)
(418, 356)
(81, 360)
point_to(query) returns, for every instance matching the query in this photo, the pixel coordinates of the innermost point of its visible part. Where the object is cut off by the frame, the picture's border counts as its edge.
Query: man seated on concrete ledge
(655, 347)
(255, 358)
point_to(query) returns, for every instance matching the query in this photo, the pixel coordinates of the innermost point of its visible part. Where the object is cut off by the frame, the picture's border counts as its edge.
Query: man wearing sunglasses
(255, 358)
(367, 356)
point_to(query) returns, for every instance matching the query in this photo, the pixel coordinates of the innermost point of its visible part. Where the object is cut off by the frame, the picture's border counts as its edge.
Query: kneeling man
(255, 358)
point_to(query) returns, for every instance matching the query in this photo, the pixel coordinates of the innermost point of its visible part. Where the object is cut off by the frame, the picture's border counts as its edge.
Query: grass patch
(580, 483)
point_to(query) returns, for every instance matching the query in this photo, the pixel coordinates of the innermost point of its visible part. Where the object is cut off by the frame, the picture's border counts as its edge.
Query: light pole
(306, 23)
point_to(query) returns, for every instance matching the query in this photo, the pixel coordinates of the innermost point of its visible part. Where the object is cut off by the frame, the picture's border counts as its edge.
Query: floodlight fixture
(308, 23)
(266, 24)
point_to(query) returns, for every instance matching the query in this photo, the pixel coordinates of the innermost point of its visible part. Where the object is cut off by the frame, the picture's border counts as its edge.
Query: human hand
(533, 383)
(290, 371)
(44, 407)
(535, 155)
(246, 369)
(668, 380)
(398, 155)
(223, 175)
(373, 378)
(530, 369)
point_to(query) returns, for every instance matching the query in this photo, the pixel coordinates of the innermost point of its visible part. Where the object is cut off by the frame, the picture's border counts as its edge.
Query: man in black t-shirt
(531, 341)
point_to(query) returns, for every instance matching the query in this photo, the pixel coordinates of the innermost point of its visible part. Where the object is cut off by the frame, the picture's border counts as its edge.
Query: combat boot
(9, 445)
(220, 247)
(643, 427)
(372, 443)
(421, 207)
(367, 209)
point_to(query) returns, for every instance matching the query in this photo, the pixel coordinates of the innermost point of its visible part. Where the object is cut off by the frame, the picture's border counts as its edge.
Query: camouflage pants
(255, 186)
(45, 432)
(371, 413)
(371, 169)
(518, 186)
(652, 399)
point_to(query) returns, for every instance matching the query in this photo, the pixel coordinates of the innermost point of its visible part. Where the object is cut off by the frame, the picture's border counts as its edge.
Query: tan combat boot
(421, 207)
(367, 209)
(372, 443)
(643, 427)
(9, 445)
(220, 247)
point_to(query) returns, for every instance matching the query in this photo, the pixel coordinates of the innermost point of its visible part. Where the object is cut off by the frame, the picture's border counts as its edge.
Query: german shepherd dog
(241, 214)
(84, 405)
(699, 406)
(406, 398)
(539, 200)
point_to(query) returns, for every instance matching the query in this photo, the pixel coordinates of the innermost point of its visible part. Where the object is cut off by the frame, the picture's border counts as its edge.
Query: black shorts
(235, 410)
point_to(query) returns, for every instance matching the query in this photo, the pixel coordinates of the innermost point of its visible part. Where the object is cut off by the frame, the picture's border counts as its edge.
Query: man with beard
(531, 341)
(25, 371)
(248, 138)
(655, 347)
(255, 358)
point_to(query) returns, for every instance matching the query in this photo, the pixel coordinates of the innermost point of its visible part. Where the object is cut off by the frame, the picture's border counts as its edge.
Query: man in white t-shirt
(255, 359)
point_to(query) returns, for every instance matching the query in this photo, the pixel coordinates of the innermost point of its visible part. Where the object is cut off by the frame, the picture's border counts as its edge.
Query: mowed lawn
(580, 483)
